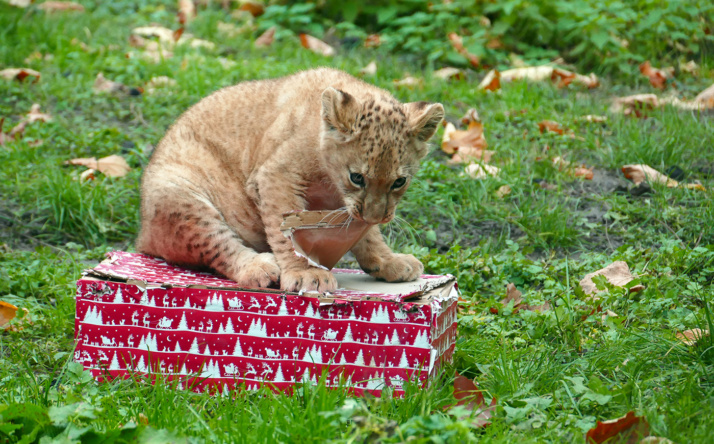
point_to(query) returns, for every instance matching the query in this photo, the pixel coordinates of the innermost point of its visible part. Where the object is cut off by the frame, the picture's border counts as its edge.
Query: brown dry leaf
(481, 171)
(89, 174)
(467, 394)
(630, 427)
(19, 74)
(142, 419)
(550, 126)
(112, 166)
(470, 117)
(35, 115)
(7, 312)
(17, 131)
(458, 44)
(690, 67)
(658, 77)
(316, 45)
(491, 82)
(514, 295)
(465, 142)
(577, 171)
(186, 11)
(102, 85)
(645, 173)
(617, 274)
(503, 191)
(53, 6)
(370, 69)
(266, 39)
(409, 82)
(706, 98)
(691, 337)
(449, 73)
(635, 104)
(255, 8)
(372, 41)
(563, 77)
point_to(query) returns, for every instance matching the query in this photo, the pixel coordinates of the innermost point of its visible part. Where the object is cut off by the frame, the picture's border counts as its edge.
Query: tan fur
(219, 182)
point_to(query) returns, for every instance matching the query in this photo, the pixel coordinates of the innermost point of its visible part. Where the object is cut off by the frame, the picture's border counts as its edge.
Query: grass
(554, 373)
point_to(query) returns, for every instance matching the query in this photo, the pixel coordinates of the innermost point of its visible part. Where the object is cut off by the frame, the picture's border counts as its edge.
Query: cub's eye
(357, 179)
(399, 183)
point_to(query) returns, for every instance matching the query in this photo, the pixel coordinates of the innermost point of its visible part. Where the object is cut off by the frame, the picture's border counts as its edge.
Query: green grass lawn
(554, 373)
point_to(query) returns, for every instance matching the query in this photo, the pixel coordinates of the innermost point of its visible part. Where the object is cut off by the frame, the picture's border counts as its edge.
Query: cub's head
(372, 149)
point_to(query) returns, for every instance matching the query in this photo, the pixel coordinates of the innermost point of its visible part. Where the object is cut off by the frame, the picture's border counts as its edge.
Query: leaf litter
(112, 166)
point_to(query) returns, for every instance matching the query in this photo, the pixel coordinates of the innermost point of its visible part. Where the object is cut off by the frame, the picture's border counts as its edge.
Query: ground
(553, 373)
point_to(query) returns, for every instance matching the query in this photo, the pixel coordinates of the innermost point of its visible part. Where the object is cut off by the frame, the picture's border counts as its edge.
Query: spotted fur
(219, 181)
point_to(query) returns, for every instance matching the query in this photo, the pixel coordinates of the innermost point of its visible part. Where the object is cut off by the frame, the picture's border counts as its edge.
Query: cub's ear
(339, 110)
(424, 118)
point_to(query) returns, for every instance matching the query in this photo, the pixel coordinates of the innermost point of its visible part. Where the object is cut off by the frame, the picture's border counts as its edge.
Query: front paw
(397, 268)
(310, 279)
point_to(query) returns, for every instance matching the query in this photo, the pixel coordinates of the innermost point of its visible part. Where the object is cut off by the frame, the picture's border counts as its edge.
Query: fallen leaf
(550, 126)
(470, 117)
(449, 74)
(36, 116)
(19, 74)
(372, 41)
(458, 44)
(562, 77)
(102, 85)
(370, 69)
(635, 104)
(590, 118)
(408, 82)
(494, 43)
(467, 145)
(165, 35)
(266, 39)
(255, 8)
(617, 274)
(159, 82)
(468, 395)
(226, 63)
(52, 6)
(201, 43)
(17, 131)
(706, 98)
(88, 174)
(690, 67)
(655, 440)
(112, 166)
(19, 3)
(514, 295)
(481, 171)
(630, 427)
(7, 312)
(503, 191)
(316, 45)
(658, 77)
(186, 11)
(491, 82)
(142, 419)
(691, 337)
(645, 173)
(577, 171)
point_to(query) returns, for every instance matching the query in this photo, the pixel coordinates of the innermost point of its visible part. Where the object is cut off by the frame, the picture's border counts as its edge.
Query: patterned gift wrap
(138, 315)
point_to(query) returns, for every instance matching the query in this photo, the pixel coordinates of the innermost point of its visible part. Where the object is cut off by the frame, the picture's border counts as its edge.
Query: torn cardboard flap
(150, 272)
(323, 237)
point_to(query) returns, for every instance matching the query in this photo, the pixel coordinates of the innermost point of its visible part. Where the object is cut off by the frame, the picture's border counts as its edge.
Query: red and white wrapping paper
(139, 315)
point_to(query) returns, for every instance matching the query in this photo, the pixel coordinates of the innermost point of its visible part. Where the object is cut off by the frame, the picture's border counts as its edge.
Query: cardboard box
(138, 315)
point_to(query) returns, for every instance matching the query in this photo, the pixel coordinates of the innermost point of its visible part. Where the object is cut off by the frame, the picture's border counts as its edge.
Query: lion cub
(219, 182)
